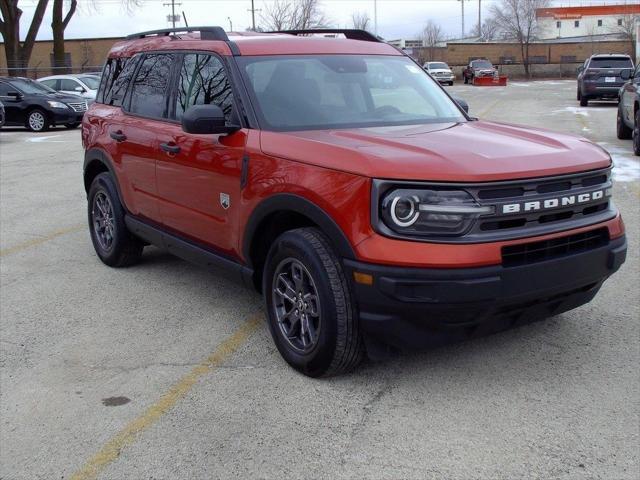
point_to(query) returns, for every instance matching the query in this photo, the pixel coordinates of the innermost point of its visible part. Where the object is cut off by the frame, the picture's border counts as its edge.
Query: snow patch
(626, 166)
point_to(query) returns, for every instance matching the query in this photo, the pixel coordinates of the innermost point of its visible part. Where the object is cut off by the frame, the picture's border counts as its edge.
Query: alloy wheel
(36, 121)
(296, 304)
(103, 220)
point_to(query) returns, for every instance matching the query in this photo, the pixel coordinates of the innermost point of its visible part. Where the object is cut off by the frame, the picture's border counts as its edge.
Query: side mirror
(14, 94)
(579, 69)
(463, 104)
(79, 89)
(206, 119)
(625, 74)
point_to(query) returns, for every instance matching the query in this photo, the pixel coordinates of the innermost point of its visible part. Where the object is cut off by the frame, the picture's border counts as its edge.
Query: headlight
(54, 104)
(430, 212)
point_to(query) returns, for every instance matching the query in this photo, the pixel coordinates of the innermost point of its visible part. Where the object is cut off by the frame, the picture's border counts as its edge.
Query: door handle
(118, 136)
(170, 147)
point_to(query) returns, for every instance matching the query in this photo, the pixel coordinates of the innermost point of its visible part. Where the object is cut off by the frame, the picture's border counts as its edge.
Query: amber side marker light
(363, 278)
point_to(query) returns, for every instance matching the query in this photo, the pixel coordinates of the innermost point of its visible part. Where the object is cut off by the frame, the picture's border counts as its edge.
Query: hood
(460, 152)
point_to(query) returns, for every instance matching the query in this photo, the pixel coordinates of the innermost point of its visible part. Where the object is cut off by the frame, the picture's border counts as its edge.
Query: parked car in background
(1, 115)
(628, 119)
(478, 68)
(440, 71)
(83, 84)
(37, 107)
(600, 78)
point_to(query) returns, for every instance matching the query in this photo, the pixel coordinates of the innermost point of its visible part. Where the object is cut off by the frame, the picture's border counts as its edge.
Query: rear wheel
(623, 132)
(37, 121)
(578, 95)
(636, 134)
(311, 313)
(113, 243)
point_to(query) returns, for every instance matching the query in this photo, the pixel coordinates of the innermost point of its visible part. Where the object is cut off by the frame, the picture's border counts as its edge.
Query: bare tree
(293, 15)
(431, 37)
(360, 20)
(627, 28)
(490, 30)
(18, 53)
(517, 19)
(59, 22)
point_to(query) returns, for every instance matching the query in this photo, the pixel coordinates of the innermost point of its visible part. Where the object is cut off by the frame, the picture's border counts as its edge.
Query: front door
(199, 175)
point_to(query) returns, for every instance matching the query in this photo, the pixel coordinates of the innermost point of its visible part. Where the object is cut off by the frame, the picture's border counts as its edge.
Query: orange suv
(330, 172)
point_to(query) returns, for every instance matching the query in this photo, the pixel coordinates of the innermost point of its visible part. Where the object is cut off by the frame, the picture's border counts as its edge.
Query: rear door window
(53, 83)
(68, 85)
(115, 79)
(203, 81)
(149, 88)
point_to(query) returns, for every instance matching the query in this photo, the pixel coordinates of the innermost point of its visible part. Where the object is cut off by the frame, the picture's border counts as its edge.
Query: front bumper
(412, 308)
(67, 116)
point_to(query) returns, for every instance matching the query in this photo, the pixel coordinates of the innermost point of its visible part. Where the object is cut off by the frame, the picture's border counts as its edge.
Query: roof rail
(350, 33)
(206, 33)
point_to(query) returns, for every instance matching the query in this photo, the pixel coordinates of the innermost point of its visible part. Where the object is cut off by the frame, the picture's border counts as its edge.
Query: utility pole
(479, 18)
(253, 11)
(230, 24)
(173, 11)
(462, 2)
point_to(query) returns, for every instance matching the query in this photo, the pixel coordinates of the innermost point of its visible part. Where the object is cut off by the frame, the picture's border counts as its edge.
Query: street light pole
(375, 17)
(230, 24)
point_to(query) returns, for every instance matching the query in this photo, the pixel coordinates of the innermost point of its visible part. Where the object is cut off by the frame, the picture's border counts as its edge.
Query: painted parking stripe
(110, 451)
(40, 240)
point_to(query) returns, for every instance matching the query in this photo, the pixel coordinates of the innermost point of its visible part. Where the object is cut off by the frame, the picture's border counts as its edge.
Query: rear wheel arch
(96, 161)
(281, 213)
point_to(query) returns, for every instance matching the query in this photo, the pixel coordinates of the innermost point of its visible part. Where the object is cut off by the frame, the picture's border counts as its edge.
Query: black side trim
(206, 33)
(244, 174)
(189, 251)
(350, 33)
(297, 204)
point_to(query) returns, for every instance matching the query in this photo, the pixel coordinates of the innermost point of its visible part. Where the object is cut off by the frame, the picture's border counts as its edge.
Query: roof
(253, 43)
(578, 12)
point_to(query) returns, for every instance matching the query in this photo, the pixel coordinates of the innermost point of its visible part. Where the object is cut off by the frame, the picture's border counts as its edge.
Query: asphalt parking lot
(165, 370)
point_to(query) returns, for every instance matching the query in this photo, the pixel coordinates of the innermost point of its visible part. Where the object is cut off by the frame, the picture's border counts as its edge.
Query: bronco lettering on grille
(557, 202)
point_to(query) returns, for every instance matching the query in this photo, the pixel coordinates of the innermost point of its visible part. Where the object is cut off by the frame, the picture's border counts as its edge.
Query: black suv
(601, 77)
(38, 107)
(628, 119)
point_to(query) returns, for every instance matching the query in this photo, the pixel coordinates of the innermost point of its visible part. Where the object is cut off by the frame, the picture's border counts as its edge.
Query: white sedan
(82, 84)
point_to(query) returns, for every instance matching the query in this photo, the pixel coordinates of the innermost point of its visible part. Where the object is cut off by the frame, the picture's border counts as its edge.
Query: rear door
(14, 108)
(199, 175)
(135, 130)
(628, 97)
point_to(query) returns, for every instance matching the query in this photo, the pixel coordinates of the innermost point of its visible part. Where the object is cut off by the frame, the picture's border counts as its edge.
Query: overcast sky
(396, 18)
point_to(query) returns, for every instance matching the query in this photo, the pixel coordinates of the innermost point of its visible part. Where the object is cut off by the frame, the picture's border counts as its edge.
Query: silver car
(82, 84)
(440, 71)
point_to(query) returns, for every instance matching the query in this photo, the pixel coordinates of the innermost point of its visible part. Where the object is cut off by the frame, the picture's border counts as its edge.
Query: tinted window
(438, 65)
(481, 64)
(203, 80)
(117, 73)
(50, 83)
(91, 82)
(68, 84)
(611, 62)
(29, 86)
(5, 89)
(149, 87)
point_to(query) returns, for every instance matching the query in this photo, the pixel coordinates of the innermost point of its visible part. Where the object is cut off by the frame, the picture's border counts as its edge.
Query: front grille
(527, 253)
(78, 107)
(520, 208)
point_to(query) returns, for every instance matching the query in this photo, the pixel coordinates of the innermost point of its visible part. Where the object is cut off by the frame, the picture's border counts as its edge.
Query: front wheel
(311, 313)
(37, 121)
(113, 243)
(584, 101)
(71, 126)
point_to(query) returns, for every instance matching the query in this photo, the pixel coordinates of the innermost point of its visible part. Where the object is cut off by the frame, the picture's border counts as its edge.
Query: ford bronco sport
(339, 179)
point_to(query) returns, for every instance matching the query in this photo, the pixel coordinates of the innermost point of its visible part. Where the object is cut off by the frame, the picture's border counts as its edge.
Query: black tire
(636, 134)
(466, 80)
(123, 249)
(578, 96)
(622, 131)
(584, 101)
(451, 84)
(37, 121)
(71, 126)
(337, 347)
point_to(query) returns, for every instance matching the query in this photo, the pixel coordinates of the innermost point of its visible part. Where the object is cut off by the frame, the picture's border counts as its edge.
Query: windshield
(30, 87)
(612, 62)
(92, 82)
(438, 66)
(344, 91)
(481, 64)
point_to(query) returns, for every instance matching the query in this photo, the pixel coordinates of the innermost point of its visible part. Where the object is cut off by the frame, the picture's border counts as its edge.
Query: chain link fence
(38, 72)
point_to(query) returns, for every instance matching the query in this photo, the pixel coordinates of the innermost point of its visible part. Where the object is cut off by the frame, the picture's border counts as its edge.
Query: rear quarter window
(115, 80)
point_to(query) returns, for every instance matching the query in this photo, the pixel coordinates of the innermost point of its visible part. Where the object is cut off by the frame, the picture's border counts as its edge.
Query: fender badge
(225, 201)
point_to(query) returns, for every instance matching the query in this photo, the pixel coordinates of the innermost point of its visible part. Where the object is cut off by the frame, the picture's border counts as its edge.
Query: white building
(561, 22)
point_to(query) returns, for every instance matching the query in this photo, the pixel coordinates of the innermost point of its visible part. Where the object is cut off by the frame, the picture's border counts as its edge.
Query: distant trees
(488, 31)
(360, 20)
(517, 20)
(431, 36)
(293, 15)
(18, 53)
(627, 28)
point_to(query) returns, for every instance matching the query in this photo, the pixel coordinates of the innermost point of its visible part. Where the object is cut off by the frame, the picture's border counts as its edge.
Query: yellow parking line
(125, 437)
(489, 108)
(40, 240)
